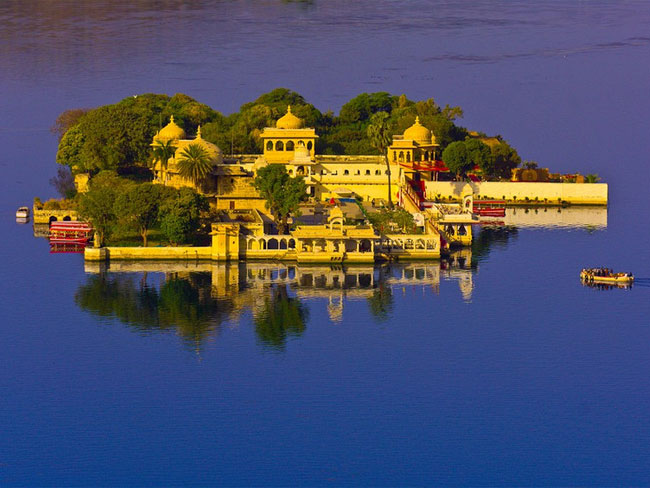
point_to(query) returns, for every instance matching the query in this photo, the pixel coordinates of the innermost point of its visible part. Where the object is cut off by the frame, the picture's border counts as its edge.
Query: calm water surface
(494, 368)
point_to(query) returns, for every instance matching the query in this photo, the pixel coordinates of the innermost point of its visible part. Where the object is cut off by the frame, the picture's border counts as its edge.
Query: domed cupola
(418, 133)
(171, 132)
(213, 150)
(289, 121)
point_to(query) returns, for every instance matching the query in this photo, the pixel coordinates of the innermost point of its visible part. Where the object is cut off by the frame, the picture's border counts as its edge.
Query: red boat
(490, 208)
(70, 232)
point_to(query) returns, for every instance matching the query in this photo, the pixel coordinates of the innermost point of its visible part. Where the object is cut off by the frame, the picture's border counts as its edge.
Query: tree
(505, 160)
(194, 163)
(69, 152)
(64, 182)
(180, 214)
(380, 137)
(162, 151)
(66, 120)
(139, 207)
(592, 178)
(97, 205)
(479, 154)
(118, 136)
(457, 158)
(283, 193)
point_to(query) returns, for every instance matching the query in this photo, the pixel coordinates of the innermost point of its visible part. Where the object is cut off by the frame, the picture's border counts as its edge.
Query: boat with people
(605, 275)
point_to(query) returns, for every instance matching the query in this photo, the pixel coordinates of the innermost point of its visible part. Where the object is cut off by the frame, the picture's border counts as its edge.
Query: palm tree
(379, 133)
(194, 163)
(162, 151)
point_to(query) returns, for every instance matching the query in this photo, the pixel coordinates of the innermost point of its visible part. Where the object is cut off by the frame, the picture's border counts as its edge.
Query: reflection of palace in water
(556, 217)
(244, 284)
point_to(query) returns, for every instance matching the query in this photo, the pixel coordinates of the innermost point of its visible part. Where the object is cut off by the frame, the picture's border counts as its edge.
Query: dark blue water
(500, 369)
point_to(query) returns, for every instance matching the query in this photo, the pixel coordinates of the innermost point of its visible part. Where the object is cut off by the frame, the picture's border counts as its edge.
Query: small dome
(170, 132)
(301, 153)
(289, 121)
(418, 133)
(212, 149)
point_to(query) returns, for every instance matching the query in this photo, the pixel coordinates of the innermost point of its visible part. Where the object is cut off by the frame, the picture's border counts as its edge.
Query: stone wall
(515, 192)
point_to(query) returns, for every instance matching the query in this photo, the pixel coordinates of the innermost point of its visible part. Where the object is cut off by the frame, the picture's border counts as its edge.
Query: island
(169, 178)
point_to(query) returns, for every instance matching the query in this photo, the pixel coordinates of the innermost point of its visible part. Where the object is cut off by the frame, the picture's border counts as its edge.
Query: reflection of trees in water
(279, 317)
(381, 301)
(491, 238)
(182, 304)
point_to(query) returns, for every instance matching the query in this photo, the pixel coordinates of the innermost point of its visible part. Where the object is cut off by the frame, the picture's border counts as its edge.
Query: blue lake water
(497, 368)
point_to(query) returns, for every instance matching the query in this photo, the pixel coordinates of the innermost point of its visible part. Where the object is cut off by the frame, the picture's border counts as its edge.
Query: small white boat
(22, 213)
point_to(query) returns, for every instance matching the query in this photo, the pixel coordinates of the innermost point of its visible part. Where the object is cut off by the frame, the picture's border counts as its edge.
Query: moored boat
(22, 213)
(70, 232)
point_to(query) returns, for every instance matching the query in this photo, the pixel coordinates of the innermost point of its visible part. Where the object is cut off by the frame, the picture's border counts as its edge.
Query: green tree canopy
(180, 215)
(479, 154)
(457, 158)
(139, 207)
(282, 192)
(380, 137)
(161, 152)
(194, 163)
(116, 137)
(505, 160)
(97, 205)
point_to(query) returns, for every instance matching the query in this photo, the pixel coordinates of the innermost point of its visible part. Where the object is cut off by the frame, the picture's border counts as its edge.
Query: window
(279, 146)
(378, 172)
(367, 172)
(346, 172)
(289, 145)
(269, 146)
(309, 145)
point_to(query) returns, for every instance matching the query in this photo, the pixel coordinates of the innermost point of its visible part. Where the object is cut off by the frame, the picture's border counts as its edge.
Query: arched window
(292, 245)
(283, 243)
(394, 155)
(401, 156)
(273, 243)
(462, 231)
(309, 145)
(378, 172)
(346, 172)
(279, 146)
(289, 145)
(408, 157)
(367, 172)
(357, 172)
(269, 146)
